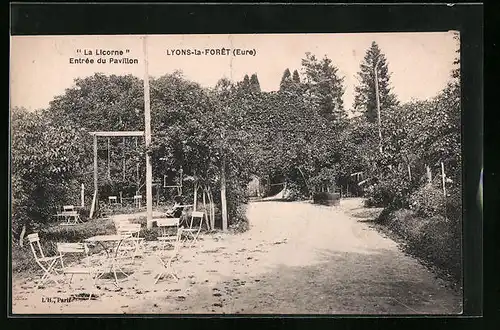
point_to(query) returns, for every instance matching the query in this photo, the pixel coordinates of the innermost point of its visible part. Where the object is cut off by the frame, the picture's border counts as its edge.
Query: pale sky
(420, 63)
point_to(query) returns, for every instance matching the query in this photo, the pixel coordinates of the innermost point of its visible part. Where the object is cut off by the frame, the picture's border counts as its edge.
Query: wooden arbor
(96, 181)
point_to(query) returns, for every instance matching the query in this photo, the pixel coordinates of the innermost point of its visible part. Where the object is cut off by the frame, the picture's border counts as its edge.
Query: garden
(209, 140)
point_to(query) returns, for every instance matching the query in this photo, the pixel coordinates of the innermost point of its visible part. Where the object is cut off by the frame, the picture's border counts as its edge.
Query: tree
(365, 97)
(324, 88)
(45, 158)
(296, 77)
(244, 85)
(286, 80)
(254, 84)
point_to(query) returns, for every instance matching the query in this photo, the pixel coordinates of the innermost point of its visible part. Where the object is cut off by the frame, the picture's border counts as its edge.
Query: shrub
(239, 221)
(435, 239)
(326, 198)
(296, 191)
(428, 201)
(78, 232)
(454, 205)
(393, 191)
(237, 200)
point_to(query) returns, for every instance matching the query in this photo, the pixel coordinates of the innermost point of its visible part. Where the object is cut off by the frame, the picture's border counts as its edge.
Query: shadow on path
(376, 282)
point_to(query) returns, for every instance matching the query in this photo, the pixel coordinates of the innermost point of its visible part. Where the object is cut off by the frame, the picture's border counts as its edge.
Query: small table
(110, 239)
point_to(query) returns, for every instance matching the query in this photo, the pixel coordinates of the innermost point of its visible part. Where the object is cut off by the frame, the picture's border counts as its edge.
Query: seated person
(176, 210)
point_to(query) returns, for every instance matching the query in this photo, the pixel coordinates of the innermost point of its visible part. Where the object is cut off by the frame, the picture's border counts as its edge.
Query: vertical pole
(212, 209)
(409, 171)
(147, 126)
(223, 194)
(82, 204)
(443, 175)
(109, 162)
(205, 208)
(195, 198)
(429, 174)
(377, 99)
(95, 171)
(137, 170)
(157, 195)
(123, 160)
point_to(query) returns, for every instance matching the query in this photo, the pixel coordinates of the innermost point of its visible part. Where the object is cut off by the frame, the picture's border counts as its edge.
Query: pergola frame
(105, 134)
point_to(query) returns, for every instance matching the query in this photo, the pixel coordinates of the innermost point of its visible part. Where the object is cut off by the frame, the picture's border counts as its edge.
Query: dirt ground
(297, 258)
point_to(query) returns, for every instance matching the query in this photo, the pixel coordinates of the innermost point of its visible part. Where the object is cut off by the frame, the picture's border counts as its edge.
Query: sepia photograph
(236, 174)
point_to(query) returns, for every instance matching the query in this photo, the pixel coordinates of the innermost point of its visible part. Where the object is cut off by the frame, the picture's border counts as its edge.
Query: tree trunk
(195, 202)
(443, 175)
(213, 210)
(109, 160)
(377, 99)
(223, 194)
(205, 207)
(123, 160)
(429, 174)
(21, 237)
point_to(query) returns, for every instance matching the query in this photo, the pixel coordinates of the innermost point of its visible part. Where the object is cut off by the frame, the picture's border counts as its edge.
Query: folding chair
(71, 215)
(113, 200)
(137, 201)
(166, 266)
(46, 263)
(77, 248)
(132, 229)
(165, 224)
(193, 233)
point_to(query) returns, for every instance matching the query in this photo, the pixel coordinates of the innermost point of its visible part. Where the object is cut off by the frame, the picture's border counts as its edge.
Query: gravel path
(297, 258)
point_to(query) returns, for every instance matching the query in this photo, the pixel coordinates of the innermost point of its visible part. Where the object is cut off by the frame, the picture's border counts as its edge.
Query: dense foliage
(300, 135)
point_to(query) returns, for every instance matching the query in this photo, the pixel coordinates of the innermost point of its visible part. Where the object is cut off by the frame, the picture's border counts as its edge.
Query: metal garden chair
(85, 269)
(133, 230)
(193, 233)
(46, 263)
(167, 260)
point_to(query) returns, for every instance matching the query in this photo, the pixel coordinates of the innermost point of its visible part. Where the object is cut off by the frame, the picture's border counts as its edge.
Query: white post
(443, 175)
(147, 131)
(109, 161)
(223, 194)
(429, 174)
(195, 198)
(83, 196)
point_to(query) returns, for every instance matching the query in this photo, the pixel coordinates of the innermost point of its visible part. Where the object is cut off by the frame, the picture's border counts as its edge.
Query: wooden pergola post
(108, 134)
(223, 194)
(147, 132)
(95, 171)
